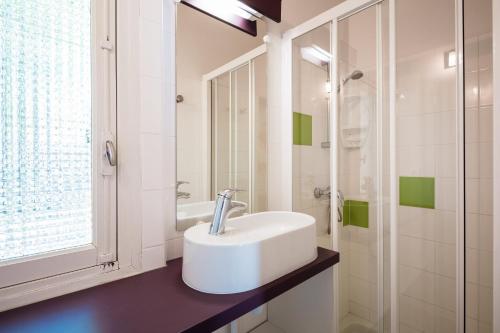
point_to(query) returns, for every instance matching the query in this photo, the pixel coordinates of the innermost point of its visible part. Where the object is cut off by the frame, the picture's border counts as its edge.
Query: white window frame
(19, 271)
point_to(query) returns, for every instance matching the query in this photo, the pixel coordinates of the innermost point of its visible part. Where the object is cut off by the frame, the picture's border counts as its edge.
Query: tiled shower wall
(426, 146)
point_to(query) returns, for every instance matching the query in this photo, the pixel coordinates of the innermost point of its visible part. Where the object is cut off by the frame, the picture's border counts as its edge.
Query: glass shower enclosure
(391, 154)
(238, 112)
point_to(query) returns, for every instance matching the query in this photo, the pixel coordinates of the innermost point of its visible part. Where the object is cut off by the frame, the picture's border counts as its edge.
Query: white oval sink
(191, 213)
(255, 249)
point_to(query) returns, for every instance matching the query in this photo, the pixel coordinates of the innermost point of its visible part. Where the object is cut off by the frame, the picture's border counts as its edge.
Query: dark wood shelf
(155, 301)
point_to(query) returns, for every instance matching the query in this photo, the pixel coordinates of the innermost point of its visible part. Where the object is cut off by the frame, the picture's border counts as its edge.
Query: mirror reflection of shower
(321, 58)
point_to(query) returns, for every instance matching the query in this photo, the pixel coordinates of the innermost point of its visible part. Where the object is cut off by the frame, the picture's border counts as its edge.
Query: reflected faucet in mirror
(224, 207)
(180, 194)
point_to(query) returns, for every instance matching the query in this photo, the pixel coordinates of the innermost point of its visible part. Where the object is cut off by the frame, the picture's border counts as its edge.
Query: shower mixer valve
(320, 192)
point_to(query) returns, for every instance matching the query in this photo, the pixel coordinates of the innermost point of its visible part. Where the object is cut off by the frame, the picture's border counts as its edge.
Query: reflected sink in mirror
(254, 250)
(190, 214)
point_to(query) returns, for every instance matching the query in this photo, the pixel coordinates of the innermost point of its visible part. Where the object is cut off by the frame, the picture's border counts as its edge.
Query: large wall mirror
(221, 116)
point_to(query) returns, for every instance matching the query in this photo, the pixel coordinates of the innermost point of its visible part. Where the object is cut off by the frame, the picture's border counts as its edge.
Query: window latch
(107, 45)
(109, 158)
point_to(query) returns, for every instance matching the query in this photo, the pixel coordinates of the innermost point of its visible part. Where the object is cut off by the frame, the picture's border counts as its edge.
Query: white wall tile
(485, 304)
(417, 222)
(446, 161)
(472, 266)
(359, 291)
(472, 325)
(472, 160)
(151, 10)
(151, 161)
(416, 283)
(486, 268)
(471, 89)
(445, 292)
(472, 124)
(175, 248)
(485, 87)
(168, 162)
(472, 195)
(445, 226)
(472, 231)
(485, 124)
(485, 160)
(417, 253)
(445, 320)
(446, 260)
(359, 310)
(153, 218)
(447, 127)
(153, 257)
(416, 314)
(151, 105)
(486, 196)
(445, 194)
(486, 232)
(472, 300)
(150, 48)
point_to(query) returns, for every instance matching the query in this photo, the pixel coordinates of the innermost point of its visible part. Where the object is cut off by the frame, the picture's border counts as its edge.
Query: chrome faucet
(180, 194)
(224, 207)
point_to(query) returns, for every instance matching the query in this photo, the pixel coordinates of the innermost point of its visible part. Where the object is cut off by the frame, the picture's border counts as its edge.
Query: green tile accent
(346, 214)
(302, 129)
(417, 192)
(355, 213)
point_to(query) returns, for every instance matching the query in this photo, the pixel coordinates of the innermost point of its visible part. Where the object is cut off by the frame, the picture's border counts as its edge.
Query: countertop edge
(276, 288)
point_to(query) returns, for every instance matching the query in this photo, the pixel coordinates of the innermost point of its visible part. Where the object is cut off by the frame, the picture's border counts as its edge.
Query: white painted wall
(157, 127)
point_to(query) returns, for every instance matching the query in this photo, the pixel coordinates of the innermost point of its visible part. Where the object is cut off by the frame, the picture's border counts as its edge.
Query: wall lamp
(242, 14)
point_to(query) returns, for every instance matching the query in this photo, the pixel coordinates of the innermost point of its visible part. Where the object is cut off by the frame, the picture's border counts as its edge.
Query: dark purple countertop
(155, 301)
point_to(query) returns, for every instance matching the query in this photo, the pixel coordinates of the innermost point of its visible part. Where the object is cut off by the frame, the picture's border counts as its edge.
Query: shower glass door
(362, 148)
(231, 133)
(311, 57)
(238, 112)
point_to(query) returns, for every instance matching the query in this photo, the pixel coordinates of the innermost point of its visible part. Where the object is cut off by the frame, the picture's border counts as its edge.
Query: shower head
(355, 75)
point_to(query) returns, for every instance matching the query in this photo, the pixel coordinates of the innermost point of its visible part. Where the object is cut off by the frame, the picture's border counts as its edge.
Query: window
(58, 187)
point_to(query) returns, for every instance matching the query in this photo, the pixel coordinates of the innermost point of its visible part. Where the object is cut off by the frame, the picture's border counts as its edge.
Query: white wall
(156, 127)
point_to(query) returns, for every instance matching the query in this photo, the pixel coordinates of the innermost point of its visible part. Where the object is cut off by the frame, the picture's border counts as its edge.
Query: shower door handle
(340, 205)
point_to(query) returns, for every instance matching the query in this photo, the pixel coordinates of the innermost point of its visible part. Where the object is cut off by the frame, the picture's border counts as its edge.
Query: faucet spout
(224, 207)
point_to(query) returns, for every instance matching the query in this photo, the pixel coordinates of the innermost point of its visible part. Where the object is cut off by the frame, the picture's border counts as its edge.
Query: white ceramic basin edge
(255, 250)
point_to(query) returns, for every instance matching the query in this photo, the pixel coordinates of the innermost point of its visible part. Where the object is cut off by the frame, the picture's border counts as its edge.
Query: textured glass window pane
(45, 126)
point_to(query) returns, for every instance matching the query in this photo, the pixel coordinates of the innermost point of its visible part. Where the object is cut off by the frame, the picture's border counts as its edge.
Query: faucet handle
(229, 192)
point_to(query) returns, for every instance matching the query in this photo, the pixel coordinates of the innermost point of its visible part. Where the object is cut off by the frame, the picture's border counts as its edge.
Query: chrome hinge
(107, 262)
(109, 266)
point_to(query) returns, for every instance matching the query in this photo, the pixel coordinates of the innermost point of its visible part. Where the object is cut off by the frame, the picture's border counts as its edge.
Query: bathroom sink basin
(254, 250)
(191, 213)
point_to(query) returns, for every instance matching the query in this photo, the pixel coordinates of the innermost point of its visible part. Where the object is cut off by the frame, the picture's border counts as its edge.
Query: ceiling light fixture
(315, 55)
(239, 14)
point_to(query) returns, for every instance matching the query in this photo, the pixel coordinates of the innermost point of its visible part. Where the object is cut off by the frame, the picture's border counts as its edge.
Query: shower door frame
(245, 59)
(333, 16)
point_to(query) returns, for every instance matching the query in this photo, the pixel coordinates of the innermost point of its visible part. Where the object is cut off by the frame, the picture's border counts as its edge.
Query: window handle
(111, 152)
